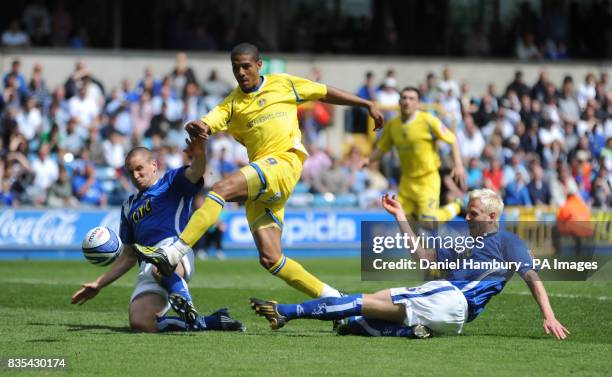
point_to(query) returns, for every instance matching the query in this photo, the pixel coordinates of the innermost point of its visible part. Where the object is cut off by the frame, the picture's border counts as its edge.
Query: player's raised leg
(232, 188)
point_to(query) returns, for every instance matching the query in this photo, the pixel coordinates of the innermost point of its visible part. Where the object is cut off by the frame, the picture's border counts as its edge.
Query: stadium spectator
(493, 175)
(29, 120)
(14, 36)
(142, 114)
(569, 109)
(539, 190)
(388, 97)
(37, 89)
(516, 192)
(474, 173)
(368, 89)
(83, 107)
(114, 150)
(15, 79)
(317, 162)
(167, 104)
(448, 83)
(470, 138)
(45, 171)
(333, 180)
(60, 192)
(85, 186)
(182, 74)
(526, 48)
(518, 85)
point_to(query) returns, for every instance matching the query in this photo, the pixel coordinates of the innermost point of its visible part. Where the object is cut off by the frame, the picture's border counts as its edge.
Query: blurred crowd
(534, 143)
(531, 142)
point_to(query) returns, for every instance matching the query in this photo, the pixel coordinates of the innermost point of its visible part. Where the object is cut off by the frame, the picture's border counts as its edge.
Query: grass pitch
(37, 320)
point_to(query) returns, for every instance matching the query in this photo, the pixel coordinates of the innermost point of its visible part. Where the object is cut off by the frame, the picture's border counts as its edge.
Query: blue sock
(209, 322)
(166, 323)
(176, 284)
(326, 309)
(369, 326)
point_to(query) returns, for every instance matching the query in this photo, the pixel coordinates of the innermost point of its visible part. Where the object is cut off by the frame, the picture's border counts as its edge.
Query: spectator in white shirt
(45, 170)
(29, 121)
(586, 91)
(470, 138)
(448, 83)
(83, 107)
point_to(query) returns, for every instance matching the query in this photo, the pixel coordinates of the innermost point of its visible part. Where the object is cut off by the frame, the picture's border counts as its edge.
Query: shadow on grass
(81, 327)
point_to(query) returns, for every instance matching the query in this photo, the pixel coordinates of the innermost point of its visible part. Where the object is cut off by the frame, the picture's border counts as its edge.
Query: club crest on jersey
(274, 198)
(272, 161)
(261, 102)
(142, 211)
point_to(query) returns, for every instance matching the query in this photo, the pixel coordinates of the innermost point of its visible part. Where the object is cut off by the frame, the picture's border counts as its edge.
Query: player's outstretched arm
(196, 149)
(551, 325)
(391, 205)
(337, 96)
(123, 264)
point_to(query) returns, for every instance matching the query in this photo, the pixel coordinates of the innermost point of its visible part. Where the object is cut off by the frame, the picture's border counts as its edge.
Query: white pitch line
(564, 295)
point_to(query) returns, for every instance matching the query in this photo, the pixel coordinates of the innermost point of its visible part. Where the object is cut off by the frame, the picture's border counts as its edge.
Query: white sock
(176, 251)
(329, 292)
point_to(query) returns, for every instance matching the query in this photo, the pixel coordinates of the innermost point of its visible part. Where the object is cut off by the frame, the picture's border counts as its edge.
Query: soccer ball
(101, 246)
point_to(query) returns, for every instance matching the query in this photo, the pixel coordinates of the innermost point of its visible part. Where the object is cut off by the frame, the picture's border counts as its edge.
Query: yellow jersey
(264, 120)
(415, 141)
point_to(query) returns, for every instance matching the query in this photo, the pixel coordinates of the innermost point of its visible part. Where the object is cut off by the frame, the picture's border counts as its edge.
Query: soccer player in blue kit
(436, 307)
(156, 215)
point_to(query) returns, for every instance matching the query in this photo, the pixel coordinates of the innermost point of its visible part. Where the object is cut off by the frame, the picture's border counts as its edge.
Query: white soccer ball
(101, 246)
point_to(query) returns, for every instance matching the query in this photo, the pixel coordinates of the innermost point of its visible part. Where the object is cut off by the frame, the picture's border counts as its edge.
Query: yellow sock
(203, 218)
(296, 276)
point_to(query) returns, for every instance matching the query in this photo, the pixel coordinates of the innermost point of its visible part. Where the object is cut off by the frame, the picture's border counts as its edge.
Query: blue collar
(261, 82)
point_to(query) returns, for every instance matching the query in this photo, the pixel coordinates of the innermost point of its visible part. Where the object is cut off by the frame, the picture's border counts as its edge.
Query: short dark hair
(144, 151)
(411, 89)
(245, 49)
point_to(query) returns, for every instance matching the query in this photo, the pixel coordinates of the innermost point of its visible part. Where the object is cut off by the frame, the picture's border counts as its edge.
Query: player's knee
(267, 261)
(143, 325)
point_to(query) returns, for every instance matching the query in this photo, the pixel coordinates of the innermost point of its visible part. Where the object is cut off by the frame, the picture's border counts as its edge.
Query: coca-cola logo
(55, 227)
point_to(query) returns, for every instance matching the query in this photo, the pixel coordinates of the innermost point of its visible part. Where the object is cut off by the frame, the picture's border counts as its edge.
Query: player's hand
(460, 177)
(89, 291)
(196, 147)
(379, 119)
(197, 129)
(551, 325)
(391, 205)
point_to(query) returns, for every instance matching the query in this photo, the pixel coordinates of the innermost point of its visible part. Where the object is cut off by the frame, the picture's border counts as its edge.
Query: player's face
(409, 102)
(143, 173)
(479, 221)
(246, 71)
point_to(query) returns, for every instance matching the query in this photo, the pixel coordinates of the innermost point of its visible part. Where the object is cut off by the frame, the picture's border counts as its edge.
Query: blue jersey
(478, 284)
(160, 212)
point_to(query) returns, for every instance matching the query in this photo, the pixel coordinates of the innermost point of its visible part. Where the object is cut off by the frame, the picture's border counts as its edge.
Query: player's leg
(268, 242)
(144, 311)
(426, 190)
(232, 188)
(378, 305)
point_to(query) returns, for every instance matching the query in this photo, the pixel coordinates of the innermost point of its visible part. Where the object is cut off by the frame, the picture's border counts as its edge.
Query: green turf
(36, 319)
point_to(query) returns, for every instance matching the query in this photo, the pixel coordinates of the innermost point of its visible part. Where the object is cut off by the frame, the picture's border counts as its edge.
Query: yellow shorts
(270, 181)
(420, 196)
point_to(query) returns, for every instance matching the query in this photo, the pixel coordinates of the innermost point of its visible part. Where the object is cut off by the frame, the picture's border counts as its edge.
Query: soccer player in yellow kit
(261, 113)
(414, 134)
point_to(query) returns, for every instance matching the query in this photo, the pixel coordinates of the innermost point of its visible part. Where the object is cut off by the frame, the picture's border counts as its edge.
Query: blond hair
(489, 199)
